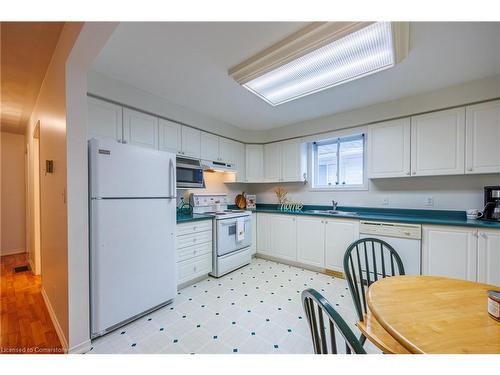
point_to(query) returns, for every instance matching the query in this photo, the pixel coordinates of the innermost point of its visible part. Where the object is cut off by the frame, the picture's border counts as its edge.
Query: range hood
(218, 166)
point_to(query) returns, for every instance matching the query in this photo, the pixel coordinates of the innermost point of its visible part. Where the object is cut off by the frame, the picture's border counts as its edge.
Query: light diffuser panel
(361, 53)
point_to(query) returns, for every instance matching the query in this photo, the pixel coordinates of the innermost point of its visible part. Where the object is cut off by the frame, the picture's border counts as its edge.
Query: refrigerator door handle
(172, 179)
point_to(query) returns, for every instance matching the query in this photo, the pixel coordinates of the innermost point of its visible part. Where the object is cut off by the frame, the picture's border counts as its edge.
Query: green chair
(366, 261)
(317, 308)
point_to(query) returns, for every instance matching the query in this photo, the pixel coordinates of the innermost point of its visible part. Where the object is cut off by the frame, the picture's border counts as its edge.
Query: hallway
(25, 325)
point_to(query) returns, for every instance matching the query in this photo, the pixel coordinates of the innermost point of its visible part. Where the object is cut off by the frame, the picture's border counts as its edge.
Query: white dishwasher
(404, 238)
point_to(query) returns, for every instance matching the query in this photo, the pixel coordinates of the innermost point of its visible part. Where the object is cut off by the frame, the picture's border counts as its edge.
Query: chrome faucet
(334, 205)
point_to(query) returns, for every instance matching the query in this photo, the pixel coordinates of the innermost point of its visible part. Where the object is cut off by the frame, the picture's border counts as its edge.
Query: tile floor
(256, 309)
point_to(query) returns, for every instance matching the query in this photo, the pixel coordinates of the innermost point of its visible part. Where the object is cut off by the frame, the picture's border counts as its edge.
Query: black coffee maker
(491, 209)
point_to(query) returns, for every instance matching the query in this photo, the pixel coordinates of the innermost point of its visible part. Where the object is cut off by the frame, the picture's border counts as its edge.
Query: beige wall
(50, 110)
(13, 206)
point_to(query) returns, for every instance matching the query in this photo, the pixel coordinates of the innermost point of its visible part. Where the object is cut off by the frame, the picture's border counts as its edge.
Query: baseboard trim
(300, 265)
(57, 326)
(81, 348)
(13, 251)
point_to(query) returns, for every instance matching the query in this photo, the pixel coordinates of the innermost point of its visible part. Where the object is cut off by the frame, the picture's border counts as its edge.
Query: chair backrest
(365, 261)
(318, 308)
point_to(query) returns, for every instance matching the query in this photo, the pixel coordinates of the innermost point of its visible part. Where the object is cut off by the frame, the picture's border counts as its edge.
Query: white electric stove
(232, 232)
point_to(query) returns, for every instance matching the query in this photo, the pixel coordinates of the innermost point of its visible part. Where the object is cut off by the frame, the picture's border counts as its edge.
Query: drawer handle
(194, 228)
(194, 239)
(194, 252)
(194, 268)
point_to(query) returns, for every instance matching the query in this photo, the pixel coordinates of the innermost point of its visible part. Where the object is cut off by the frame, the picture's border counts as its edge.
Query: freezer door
(133, 265)
(121, 170)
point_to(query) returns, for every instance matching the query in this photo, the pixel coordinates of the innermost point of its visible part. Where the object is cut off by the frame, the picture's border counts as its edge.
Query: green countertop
(185, 218)
(435, 217)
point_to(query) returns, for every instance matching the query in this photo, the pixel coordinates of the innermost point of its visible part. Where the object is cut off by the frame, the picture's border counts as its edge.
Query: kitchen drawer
(194, 251)
(192, 268)
(193, 239)
(194, 227)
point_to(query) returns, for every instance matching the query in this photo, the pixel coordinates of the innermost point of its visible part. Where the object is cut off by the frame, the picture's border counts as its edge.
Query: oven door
(188, 177)
(226, 236)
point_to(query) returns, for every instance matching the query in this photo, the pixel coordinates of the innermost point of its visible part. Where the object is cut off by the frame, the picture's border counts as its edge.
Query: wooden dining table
(430, 315)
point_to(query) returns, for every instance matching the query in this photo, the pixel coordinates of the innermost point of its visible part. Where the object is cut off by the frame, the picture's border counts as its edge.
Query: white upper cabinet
(227, 150)
(254, 160)
(482, 142)
(339, 234)
(389, 149)
(488, 257)
(449, 252)
(170, 136)
(104, 120)
(240, 162)
(437, 143)
(191, 142)
(140, 129)
(272, 162)
(293, 160)
(311, 241)
(209, 147)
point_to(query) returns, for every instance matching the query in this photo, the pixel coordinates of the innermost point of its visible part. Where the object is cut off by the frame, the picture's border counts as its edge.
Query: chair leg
(362, 340)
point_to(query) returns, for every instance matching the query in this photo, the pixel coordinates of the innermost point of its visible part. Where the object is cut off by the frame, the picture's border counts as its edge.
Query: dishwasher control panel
(413, 231)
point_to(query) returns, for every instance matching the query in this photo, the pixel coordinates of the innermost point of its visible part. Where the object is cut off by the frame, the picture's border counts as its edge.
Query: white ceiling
(187, 63)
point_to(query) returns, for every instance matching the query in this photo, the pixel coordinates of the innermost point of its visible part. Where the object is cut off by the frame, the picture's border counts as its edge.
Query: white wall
(50, 110)
(449, 192)
(124, 93)
(13, 206)
(465, 93)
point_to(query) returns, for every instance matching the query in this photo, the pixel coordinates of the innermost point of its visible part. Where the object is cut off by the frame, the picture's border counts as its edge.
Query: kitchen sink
(332, 212)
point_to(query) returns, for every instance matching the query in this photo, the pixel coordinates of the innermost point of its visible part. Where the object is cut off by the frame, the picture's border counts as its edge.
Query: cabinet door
(191, 142)
(169, 136)
(437, 143)
(293, 160)
(311, 241)
(240, 162)
(264, 234)
(254, 163)
(339, 234)
(272, 162)
(253, 248)
(284, 236)
(482, 138)
(227, 150)
(389, 149)
(140, 129)
(450, 252)
(104, 119)
(488, 257)
(209, 147)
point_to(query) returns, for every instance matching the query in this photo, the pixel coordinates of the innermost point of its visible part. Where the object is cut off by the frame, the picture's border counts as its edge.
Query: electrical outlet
(385, 201)
(429, 202)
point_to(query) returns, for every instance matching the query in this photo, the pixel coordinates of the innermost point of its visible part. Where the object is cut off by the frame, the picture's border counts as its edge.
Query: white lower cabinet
(264, 234)
(339, 234)
(311, 241)
(488, 257)
(253, 248)
(284, 236)
(450, 252)
(194, 250)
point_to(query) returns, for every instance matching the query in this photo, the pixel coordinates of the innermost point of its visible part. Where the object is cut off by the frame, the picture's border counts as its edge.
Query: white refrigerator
(132, 232)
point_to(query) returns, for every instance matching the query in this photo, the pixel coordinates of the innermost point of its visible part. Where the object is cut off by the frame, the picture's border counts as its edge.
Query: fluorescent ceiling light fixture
(321, 56)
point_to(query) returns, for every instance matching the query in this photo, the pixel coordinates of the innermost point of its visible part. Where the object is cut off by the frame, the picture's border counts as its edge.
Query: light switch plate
(429, 202)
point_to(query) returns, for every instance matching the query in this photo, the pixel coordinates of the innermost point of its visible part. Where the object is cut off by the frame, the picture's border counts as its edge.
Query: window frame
(313, 163)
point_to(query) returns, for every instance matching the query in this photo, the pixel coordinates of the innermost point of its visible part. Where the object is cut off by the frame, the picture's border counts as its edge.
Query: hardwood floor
(25, 325)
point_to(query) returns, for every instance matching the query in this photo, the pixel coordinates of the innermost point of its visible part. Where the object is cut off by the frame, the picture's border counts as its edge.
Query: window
(339, 162)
